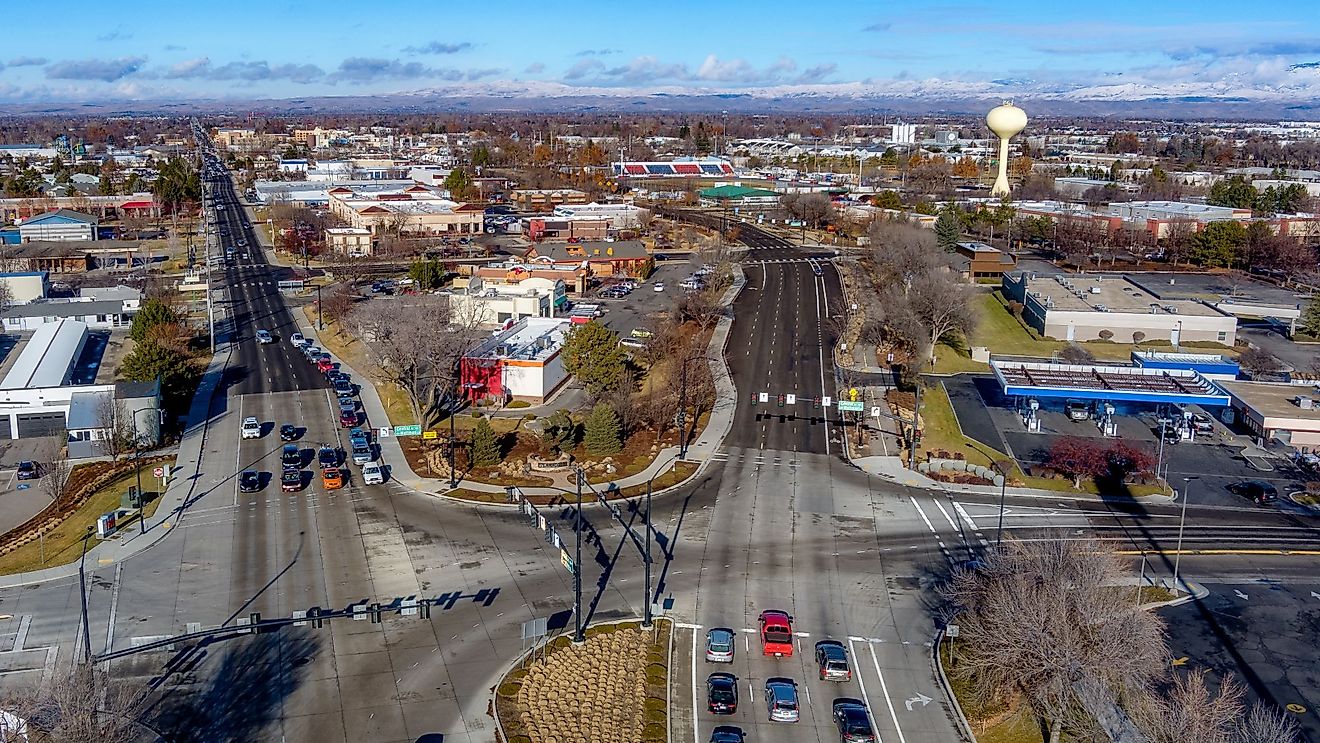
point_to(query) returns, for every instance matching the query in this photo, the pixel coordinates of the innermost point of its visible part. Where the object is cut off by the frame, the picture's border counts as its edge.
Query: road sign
(567, 562)
(429, 435)
(385, 432)
(852, 394)
(852, 406)
(791, 399)
(158, 472)
(764, 397)
(875, 411)
(826, 401)
(407, 430)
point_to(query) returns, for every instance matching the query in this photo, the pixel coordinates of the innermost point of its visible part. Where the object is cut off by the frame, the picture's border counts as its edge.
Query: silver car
(719, 645)
(781, 699)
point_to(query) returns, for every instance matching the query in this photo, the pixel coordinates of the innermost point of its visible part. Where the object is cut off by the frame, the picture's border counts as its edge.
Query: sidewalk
(892, 469)
(700, 451)
(182, 491)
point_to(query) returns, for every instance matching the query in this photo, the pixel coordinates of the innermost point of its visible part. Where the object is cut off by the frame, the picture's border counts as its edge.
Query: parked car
(720, 645)
(1202, 425)
(291, 481)
(291, 456)
(332, 478)
(659, 287)
(264, 337)
(372, 474)
(251, 428)
(1076, 411)
(288, 432)
(832, 661)
(854, 724)
(781, 699)
(1258, 491)
(249, 481)
(722, 693)
(28, 470)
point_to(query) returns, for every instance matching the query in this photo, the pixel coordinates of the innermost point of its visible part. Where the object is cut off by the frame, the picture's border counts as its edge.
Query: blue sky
(243, 49)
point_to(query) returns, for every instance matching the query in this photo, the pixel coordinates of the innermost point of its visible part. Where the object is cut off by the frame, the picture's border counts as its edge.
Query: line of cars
(780, 693)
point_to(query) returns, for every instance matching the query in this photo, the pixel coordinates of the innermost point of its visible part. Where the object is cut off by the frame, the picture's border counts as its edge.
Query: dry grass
(63, 543)
(350, 349)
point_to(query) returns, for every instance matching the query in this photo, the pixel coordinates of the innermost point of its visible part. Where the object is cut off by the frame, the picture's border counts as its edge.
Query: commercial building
(317, 193)
(733, 195)
(524, 362)
(26, 286)
(413, 210)
(1289, 413)
(351, 241)
(492, 303)
(977, 260)
(1089, 307)
(1209, 365)
(545, 199)
(565, 229)
(623, 258)
(13, 209)
(512, 273)
(620, 216)
(61, 225)
(710, 167)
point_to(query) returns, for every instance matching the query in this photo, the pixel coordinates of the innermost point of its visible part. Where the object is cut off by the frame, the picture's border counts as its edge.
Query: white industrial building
(621, 216)
(317, 193)
(499, 304)
(59, 225)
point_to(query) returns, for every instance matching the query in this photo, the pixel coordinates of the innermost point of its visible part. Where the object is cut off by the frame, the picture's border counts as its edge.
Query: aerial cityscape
(700, 373)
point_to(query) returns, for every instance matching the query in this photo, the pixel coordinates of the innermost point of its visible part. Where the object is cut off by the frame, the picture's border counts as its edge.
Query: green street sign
(852, 406)
(407, 430)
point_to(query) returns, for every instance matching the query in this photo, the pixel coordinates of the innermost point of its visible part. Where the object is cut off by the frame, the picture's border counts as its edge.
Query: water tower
(1005, 121)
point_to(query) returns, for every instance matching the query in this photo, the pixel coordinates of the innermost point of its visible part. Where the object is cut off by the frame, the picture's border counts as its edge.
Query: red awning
(138, 205)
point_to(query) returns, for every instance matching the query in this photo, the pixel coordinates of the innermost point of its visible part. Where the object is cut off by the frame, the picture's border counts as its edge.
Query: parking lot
(869, 658)
(1216, 458)
(642, 308)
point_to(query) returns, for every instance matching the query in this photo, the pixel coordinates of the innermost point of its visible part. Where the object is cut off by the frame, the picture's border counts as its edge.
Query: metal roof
(47, 357)
(1107, 383)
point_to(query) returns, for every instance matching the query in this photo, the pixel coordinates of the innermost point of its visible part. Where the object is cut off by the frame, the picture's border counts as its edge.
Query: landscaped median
(613, 688)
(54, 536)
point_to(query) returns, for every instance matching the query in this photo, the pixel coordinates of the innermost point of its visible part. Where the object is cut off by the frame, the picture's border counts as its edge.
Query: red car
(776, 633)
(325, 364)
(347, 419)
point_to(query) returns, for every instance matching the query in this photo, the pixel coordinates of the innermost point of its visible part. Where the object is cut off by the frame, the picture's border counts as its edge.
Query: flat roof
(1092, 292)
(1184, 358)
(1111, 383)
(46, 359)
(1276, 400)
(531, 339)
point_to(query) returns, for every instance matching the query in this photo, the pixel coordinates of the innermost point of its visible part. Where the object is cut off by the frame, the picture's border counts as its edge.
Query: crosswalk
(758, 459)
(768, 261)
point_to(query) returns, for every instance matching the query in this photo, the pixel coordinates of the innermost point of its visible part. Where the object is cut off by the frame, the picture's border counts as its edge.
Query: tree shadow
(244, 690)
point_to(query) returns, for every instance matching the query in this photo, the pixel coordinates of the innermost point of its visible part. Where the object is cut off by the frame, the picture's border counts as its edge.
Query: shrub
(1138, 336)
(519, 404)
(1106, 335)
(654, 731)
(509, 690)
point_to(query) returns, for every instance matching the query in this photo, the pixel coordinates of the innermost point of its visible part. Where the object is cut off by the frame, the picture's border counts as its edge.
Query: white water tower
(1005, 121)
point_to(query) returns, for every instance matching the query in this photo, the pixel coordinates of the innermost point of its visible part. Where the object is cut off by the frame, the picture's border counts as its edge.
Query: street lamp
(1003, 487)
(1177, 556)
(646, 559)
(579, 636)
(82, 594)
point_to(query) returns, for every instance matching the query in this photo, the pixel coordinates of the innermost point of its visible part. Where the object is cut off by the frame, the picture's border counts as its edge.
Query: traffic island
(610, 689)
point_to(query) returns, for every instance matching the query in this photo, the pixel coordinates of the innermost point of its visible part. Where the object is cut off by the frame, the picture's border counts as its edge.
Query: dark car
(1259, 491)
(832, 661)
(291, 481)
(854, 724)
(28, 470)
(727, 734)
(722, 693)
(348, 420)
(347, 404)
(249, 481)
(327, 457)
(288, 432)
(343, 386)
(291, 456)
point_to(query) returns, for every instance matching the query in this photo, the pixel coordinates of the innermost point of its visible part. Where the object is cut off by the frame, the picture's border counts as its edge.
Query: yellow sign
(1180, 661)
(1296, 709)
(429, 434)
(852, 394)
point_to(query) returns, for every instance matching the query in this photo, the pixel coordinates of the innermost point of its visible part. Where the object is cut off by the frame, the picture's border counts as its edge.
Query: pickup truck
(776, 633)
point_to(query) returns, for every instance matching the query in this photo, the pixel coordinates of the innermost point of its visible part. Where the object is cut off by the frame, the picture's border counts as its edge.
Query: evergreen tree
(592, 354)
(485, 447)
(1310, 320)
(603, 434)
(458, 183)
(153, 312)
(150, 361)
(947, 229)
(560, 432)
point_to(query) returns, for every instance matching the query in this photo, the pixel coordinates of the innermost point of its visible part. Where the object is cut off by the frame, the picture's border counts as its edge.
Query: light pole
(1177, 555)
(1003, 487)
(82, 594)
(646, 559)
(578, 636)
(1159, 461)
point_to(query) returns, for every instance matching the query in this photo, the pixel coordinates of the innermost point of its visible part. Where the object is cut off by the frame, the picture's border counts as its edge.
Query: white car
(251, 427)
(297, 340)
(264, 337)
(372, 474)
(659, 287)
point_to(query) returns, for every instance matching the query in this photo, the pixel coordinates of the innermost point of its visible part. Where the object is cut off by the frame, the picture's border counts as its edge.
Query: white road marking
(917, 505)
(947, 517)
(885, 689)
(696, 729)
(861, 683)
(114, 608)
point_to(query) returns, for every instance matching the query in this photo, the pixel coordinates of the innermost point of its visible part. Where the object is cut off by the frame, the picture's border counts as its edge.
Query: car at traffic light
(832, 661)
(722, 693)
(776, 633)
(853, 721)
(249, 481)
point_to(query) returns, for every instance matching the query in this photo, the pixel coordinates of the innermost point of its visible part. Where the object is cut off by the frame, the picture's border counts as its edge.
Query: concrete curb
(965, 727)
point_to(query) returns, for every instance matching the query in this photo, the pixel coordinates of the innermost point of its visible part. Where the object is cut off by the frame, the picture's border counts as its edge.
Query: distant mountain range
(1223, 99)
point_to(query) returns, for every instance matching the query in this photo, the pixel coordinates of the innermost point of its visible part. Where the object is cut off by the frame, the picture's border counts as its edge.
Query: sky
(149, 50)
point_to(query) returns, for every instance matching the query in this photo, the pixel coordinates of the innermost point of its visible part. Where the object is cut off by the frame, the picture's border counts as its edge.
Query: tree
(592, 354)
(966, 167)
(485, 446)
(1219, 244)
(152, 313)
(480, 156)
(942, 304)
(559, 432)
(55, 478)
(1075, 354)
(1234, 191)
(1310, 319)
(84, 706)
(1043, 620)
(427, 273)
(176, 184)
(116, 425)
(1257, 361)
(458, 183)
(1190, 711)
(948, 230)
(152, 360)
(339, 302)
(888, 200)
(603, 434)
(1078, 458)
(6, 295)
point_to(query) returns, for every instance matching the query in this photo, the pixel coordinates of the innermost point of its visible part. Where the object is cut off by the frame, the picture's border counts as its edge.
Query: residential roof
(46, 358)
(589, 251)
(62, 215)
(65, 310)
(136, 390)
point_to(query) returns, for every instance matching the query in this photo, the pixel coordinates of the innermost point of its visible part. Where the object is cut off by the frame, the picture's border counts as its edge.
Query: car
(332, 478)
(692, 284)
(327, 457)
(728, 734)
(632, 343)
(372, 474)
(288, 432)
(347, 420)
(832, 661)
(324, 363)
(297, 340)
(361, 454)
(356, 434)
(817, 269)
(722, 693)
(311, 351)
(242, 243)
(1202, 425)
(28, 470)
(1258, 491)
(642, 333)
(1076, 411)
(249, 481)
(659, 287)
(347, 404)
(291, 456)
(291, 481)
(854, 724)
(343, 387)
(251, 427)
(720, 645)
(781, 699)
(264, 337)
(332, 375)
(776, 633)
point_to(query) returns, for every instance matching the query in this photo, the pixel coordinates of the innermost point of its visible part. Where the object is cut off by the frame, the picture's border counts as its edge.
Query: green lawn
(940, 430)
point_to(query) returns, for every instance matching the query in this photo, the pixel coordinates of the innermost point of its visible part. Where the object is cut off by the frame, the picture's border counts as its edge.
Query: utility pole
(1182, 520)
(916, 421)
(82, 592)
(579, 636)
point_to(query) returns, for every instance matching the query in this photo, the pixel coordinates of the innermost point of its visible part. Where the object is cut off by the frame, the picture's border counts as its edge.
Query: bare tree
(55, 477)
(1258, 361)
(1042, 619)
(1075, 354)
(1266, 725)
(116, 427)
(942, 304)
(6, 295)
(1189, 710)
(82, 707)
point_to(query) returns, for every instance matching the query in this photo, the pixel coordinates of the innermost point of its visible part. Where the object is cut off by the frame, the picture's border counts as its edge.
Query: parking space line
(884, 688)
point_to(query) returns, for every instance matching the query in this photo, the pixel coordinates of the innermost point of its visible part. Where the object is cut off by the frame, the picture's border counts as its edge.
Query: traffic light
(754, 398)
(314, 614)
(780, 400)
(375, 613)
